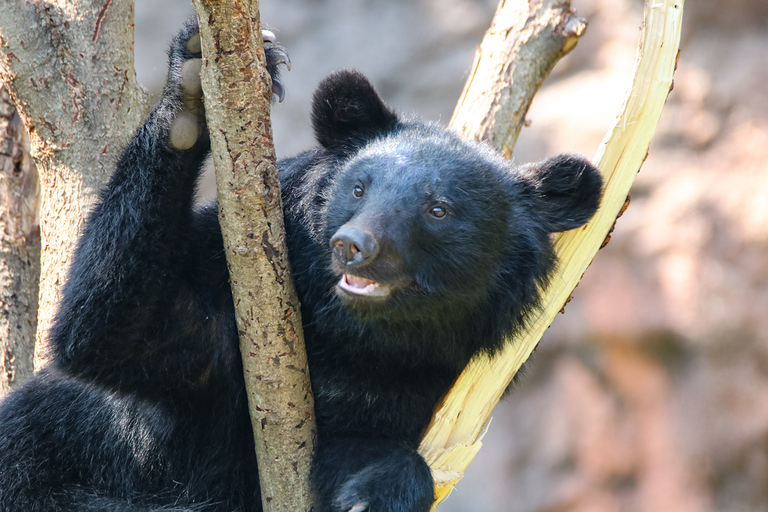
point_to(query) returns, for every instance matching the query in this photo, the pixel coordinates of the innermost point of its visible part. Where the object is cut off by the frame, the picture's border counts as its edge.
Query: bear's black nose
(353, 246)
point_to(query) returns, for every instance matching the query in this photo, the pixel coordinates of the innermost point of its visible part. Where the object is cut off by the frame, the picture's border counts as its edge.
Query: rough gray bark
(69, 68)
(237, 103)
(19, 249)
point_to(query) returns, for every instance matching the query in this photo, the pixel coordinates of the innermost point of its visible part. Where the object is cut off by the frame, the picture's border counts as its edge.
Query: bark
(19, 249)
(455, 434)
(69, 67)
(237, 99)
(526, 39)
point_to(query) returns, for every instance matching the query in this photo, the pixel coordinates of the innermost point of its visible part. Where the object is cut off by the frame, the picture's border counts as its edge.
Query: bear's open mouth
(363, 287)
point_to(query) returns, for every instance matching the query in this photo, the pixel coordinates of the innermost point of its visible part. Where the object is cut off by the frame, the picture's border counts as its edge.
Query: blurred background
(651, 392)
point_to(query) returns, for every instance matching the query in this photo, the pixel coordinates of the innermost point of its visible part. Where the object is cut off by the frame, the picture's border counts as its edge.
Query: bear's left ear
(347, 112)
(566, 189)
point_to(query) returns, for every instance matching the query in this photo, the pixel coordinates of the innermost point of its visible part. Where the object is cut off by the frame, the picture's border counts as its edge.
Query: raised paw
(184, 86)
(184, 90)
(189, 122)
(276, 55)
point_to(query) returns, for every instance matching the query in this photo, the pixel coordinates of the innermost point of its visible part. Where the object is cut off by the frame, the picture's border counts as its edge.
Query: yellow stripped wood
(454, 436)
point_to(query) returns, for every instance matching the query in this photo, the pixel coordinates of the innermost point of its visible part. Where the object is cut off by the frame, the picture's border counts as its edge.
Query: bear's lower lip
(362, 287)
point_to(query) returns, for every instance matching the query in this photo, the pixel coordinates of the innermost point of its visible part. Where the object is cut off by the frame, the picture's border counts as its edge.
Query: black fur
(143, 407)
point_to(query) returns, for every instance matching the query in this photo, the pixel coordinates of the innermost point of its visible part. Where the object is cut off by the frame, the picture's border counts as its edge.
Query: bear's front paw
(184, 82)
(184, 85)
(378, 489)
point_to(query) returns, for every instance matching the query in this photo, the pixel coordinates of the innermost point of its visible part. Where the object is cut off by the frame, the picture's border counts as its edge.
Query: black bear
(411, 249)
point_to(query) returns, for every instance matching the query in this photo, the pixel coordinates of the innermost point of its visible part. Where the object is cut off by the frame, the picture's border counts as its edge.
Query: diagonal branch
(454, 436)
(525, 41)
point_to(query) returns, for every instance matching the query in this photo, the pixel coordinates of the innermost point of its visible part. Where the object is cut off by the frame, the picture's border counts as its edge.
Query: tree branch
(525, 41)
(237, 99)
(454, 436)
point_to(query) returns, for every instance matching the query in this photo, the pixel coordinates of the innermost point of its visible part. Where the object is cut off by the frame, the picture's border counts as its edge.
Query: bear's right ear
(347, 113)
(566, 190)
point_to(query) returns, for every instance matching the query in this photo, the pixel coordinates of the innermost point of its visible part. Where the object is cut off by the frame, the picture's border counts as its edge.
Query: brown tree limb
(237, 101)
(69, 67)
(19, 249)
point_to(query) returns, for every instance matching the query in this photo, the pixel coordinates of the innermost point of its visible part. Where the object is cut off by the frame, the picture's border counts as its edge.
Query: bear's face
(420, 224)
(416, 223)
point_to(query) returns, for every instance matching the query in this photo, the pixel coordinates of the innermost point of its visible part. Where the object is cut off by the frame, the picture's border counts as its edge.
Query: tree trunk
(237, 100)
(19, 249)
(69, 67)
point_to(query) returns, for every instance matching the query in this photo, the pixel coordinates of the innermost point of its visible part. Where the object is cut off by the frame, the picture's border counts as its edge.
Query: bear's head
(423, 226)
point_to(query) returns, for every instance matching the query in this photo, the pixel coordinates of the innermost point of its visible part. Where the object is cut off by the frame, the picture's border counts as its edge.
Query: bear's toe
(194, 45)
(190, 78)
(185, 130)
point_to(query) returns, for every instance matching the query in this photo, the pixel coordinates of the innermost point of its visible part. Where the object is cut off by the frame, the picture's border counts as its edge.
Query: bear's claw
(276, 55)
(279, 56)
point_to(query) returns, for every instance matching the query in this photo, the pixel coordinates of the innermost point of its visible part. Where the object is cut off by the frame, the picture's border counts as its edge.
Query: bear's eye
(358, 191)
(438, 211)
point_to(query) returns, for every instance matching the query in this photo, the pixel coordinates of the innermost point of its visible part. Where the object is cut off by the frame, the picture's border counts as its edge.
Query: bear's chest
(398, 406)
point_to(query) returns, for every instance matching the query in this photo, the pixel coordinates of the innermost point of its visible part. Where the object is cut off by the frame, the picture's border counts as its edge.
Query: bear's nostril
(338, 251)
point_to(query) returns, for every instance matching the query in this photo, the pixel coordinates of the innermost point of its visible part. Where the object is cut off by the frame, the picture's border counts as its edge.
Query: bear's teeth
(358, 282)
(362, 286)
